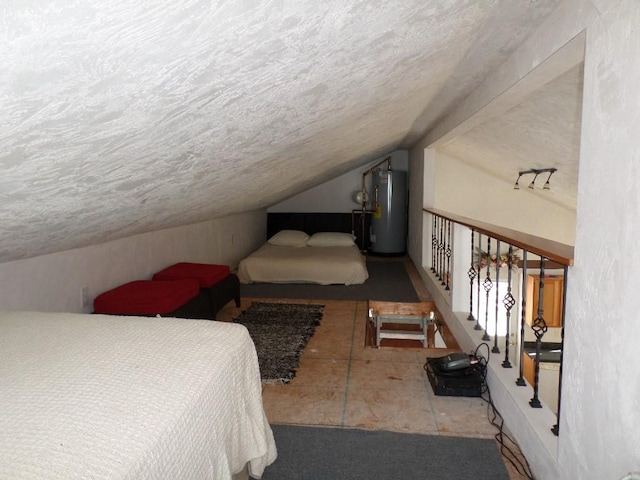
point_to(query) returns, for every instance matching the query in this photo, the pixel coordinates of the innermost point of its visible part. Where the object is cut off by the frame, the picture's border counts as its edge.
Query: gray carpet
(319, 453)
(387, 282)
(280, 331)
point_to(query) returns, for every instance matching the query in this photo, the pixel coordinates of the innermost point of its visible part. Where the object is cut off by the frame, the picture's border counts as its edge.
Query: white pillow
(289, 238)
(331, 239)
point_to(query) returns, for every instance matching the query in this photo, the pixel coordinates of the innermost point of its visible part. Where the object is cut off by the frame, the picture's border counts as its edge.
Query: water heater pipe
(363, 205)
(367, 172)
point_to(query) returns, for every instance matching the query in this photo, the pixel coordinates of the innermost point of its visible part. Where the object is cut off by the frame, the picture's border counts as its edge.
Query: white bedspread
(322, 265)
(106, 397)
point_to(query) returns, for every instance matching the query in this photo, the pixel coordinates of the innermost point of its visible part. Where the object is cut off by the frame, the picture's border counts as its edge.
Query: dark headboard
(319, 222)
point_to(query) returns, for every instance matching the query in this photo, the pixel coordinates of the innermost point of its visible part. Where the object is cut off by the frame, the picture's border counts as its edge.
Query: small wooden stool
(394, 313)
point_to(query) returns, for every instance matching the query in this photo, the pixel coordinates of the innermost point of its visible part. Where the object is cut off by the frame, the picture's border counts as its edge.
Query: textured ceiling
(543, 131)
(126, 116)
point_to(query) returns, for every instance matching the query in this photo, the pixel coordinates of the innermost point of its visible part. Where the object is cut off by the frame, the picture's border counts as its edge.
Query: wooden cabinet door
(551, 300)
(528, 368)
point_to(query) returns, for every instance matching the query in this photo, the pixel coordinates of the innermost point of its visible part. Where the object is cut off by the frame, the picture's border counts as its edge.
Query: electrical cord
(508, 446)
(509, 449)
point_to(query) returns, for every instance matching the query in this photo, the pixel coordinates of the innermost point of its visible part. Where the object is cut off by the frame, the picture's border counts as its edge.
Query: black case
(457, 383)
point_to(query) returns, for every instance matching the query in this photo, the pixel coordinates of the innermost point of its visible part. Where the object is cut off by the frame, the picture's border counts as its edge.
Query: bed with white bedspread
(108, 397)
(292, 256)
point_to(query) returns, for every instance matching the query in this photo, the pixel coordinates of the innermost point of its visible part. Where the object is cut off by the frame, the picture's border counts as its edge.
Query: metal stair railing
(551, 254)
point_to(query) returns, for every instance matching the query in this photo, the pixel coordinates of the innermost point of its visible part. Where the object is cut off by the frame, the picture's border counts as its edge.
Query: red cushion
(205, 273)
(146, 297)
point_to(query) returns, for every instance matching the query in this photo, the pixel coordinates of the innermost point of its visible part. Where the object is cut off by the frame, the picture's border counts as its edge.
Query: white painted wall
(418, 198)
(336, 196)
(53, 283)
(472, 193)
(602, 384)
(600, 423)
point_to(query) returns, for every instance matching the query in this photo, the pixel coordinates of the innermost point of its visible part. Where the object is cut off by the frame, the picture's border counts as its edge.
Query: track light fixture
(535, 172)
(547, 186)
(517, 186)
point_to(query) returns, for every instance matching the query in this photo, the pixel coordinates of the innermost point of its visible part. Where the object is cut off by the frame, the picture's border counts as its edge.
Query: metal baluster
(477, 325)
(438, 249)
(508, 301)
(437, 266)
(539, 328)
(448, 255)
(556, 428)
(441, 250)
(472, 274)
(495, 348)
(434, 242)
(520, 381)
(488, 285)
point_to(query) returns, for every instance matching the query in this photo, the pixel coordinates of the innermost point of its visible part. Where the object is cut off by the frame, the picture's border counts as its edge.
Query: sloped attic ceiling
(121, 117)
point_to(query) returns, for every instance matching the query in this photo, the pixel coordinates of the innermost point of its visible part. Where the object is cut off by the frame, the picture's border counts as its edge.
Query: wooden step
(403, 334)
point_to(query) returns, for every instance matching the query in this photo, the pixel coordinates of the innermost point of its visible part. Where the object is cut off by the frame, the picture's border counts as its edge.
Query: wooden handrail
(558, 252)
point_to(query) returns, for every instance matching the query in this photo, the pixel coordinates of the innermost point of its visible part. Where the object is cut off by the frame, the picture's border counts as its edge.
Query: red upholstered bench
(180, 298)
(216, 281)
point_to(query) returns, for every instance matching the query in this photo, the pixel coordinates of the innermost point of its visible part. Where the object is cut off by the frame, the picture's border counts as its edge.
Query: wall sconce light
(536, 172)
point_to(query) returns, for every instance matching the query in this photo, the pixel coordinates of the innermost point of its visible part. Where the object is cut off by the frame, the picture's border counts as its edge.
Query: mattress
(321, 265)
(109, 397)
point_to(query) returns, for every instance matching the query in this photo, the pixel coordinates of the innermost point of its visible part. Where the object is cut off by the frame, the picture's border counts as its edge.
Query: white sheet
(106, 397)
(322, 265)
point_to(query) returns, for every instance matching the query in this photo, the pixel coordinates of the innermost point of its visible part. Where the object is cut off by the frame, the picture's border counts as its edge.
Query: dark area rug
(280, 331)
(319, 453)
(387, 282)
